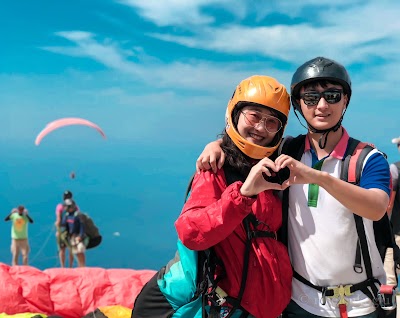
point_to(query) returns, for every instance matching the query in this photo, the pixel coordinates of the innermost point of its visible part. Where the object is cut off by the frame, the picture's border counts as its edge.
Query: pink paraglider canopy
(66, 122)
(68, 292)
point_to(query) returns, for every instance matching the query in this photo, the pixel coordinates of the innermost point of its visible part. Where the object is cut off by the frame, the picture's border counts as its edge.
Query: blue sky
(156, 76)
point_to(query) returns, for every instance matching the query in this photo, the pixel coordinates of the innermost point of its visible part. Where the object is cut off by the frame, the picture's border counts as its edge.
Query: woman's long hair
(234, 156)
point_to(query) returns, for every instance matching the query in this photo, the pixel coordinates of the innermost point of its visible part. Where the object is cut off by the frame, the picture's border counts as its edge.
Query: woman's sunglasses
(331, 97)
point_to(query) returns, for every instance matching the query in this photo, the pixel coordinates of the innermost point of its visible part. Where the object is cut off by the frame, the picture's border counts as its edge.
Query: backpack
(91, 230)
(188, 282)
(356, 154)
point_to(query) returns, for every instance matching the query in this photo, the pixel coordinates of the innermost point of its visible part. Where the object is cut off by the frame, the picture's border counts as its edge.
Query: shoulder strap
(356, 154)
(189, 187)
(207, 261)
(293, 147)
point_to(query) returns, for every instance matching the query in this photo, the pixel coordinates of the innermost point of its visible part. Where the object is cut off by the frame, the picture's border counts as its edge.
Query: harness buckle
(221, 296)
(339, 292)
(323, 297)
(387, 297)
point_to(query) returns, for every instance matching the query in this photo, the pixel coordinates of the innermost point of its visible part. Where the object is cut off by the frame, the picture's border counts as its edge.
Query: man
(322, 236)
(61, 232)
(394, 212)
(76, 231)
(19, 234)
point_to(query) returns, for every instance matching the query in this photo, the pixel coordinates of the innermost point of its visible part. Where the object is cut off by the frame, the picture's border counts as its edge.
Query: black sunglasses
(331, 97)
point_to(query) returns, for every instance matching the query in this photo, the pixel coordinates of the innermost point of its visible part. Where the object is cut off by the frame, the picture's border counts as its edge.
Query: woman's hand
(255, 181)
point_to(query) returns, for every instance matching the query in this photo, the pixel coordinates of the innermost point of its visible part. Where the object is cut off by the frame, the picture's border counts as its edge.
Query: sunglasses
(270, 123)
(331, 97)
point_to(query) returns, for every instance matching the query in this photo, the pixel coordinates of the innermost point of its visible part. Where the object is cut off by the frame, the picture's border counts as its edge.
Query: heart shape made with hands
(278, 177)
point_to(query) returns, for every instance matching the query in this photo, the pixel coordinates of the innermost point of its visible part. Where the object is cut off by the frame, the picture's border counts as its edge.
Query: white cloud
(194, 74)
(354, 35)
(76, 35)
(173, 12)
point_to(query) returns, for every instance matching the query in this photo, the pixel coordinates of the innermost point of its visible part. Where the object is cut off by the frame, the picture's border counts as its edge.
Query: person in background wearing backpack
(244, 214)
(76, 231)
(394, 212)
(61, 233)
(321, 229)
(19, 234)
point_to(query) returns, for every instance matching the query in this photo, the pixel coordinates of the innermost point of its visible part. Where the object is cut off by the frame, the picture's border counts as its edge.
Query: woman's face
(257, 125)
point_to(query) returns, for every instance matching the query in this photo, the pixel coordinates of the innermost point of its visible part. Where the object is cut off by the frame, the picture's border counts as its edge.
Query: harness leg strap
(343, 310)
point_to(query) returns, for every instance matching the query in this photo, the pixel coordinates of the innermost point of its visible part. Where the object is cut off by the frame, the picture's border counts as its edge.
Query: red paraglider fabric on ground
(66, 292)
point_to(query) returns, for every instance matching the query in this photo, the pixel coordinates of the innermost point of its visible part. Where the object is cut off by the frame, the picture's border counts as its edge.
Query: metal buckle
(339, 292)
(221, 296)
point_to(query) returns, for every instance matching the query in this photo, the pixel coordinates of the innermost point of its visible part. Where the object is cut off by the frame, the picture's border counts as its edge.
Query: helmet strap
(324, 133)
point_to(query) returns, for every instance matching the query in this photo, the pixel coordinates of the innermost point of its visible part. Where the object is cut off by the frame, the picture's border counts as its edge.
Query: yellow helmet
(263, 91)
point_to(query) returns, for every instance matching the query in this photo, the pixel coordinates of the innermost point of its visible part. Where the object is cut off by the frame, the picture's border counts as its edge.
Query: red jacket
(213, 216)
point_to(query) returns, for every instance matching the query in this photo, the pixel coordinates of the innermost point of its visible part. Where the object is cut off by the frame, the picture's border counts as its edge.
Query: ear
(346, 99)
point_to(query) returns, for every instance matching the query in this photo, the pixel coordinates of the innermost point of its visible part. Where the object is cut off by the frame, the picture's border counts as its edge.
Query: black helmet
(67, 194)
(319, 68)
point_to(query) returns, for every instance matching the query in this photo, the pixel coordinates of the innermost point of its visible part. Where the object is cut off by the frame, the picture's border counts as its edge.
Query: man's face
(323, 107)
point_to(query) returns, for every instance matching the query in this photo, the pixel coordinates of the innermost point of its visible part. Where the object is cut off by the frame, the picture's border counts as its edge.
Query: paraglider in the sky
(66, 122)
(72, 175)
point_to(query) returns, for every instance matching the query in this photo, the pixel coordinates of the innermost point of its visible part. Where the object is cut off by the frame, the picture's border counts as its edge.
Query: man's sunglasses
(331, 97)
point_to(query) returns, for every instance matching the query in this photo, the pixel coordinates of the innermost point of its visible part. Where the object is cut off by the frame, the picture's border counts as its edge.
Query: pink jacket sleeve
(212, 211)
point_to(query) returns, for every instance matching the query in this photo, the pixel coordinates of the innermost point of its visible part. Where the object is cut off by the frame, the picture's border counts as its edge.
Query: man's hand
(212, 157)
(299, 172)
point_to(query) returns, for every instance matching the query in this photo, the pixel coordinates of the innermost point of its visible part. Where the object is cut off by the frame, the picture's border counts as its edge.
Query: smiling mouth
(256, 137)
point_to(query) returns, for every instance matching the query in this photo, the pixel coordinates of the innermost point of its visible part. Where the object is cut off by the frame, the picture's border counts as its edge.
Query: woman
(225, 217)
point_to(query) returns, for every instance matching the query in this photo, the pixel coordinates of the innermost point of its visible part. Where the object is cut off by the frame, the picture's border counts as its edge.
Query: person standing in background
(19, 234)
(394, 213)
(75, 229)
(61, 232)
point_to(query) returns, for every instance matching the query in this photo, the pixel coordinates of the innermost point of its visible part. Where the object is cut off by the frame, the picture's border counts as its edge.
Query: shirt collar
(340, 148)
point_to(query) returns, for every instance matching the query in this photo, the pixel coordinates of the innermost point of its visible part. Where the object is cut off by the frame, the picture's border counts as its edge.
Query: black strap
(363, 286)
(209, 266)
(189, 187)
(208, 261)
(362, 244)
(293, 147)
(236, 301)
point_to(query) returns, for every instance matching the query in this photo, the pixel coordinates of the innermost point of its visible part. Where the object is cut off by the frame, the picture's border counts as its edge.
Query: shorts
(62, 240)
(20, 245)
(78, 247)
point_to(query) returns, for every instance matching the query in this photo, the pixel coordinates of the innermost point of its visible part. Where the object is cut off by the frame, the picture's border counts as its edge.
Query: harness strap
(250, 224)
(329, 292)
(258, 233)
(236, 302)
(368, 287)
